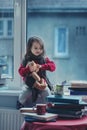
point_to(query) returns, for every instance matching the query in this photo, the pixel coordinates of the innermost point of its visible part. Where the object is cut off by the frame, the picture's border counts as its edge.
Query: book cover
(79, 83)
(46, 117)
(65, 116)
(27, 109)
(78, 89)
(64, 99)
(78, 92)
(67, 106)
(30, 119)
(68, 112)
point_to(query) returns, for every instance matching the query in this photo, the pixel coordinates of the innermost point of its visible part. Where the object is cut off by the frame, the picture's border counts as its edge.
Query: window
(6, 27)
(80, 30)
(61, 42)
(9, 27)
(1, 28)
(12, 42)
(6, 45)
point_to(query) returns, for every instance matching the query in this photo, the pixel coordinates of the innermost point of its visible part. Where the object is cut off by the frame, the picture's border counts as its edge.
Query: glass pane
(9, 28)
(1, 28)
(62, 40)
(6, 42)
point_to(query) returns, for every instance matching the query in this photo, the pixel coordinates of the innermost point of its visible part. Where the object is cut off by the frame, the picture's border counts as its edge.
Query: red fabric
(49, 65)
(23, 70)
(75, 124)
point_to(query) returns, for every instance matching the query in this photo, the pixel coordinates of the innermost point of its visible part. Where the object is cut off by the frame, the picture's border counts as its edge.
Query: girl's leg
(42, 96)
(25, 94)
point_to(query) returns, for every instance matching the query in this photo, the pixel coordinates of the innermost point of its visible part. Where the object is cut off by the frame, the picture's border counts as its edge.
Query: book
(78, 89)
(67, 106)
(27, 109)
(66, 116)
(30, 119)
(78, 92)
(46, 117)
(64, 99)
(78, 83)
(67, 111)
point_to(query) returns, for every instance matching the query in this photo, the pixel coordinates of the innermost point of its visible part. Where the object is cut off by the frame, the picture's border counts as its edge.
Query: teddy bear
(40, 83)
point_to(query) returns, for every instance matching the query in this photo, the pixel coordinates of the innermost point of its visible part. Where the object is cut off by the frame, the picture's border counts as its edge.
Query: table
(60, 124)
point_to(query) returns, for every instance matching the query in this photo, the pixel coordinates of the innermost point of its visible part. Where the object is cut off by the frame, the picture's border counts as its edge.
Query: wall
(8, 98)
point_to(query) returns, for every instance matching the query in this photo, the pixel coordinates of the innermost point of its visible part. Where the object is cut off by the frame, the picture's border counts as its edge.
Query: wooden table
(60, 124)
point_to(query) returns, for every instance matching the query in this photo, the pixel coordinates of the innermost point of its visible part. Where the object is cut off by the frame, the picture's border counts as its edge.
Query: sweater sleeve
(49, 65)
(23, 71)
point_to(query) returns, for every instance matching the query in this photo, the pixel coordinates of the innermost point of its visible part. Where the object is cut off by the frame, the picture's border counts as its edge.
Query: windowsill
(61, 57)
(8, 92)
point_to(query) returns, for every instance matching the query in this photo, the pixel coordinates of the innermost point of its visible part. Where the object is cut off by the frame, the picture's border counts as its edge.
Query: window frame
(19, 38)
(58, 36)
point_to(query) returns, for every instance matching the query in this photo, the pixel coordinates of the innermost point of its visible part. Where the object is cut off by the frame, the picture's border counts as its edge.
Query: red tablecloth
(75, 124)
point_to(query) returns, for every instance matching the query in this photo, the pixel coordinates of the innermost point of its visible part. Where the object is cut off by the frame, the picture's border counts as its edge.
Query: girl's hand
(32, 66)
(38, 67)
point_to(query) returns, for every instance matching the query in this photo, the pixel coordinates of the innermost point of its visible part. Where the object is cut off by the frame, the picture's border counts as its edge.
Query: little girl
(35, 53)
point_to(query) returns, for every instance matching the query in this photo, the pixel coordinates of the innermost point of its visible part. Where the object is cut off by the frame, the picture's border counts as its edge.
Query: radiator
(10, 119)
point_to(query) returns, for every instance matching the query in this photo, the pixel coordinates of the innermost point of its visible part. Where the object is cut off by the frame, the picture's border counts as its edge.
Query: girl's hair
(30, 43)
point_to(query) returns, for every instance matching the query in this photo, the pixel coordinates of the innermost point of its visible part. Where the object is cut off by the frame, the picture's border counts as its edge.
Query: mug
(41, 109)
(59, 89)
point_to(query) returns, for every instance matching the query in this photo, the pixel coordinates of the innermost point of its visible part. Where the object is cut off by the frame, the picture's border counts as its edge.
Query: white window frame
(19, 41)
(58, 36)
(19, 44)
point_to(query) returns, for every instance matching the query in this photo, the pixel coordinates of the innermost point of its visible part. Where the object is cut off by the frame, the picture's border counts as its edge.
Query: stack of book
(66, 106)
(78, 88)
(30, 115)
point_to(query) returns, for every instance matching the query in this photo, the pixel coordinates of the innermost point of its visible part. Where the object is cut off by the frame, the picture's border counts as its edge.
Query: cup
(59, 89)
(41, 109)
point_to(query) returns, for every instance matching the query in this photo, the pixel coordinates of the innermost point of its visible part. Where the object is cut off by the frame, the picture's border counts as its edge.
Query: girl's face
(36, 49)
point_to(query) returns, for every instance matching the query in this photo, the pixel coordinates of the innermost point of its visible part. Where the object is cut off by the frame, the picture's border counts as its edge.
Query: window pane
(1, 28)
(9, 27)
(62, 41)
(6, 44)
